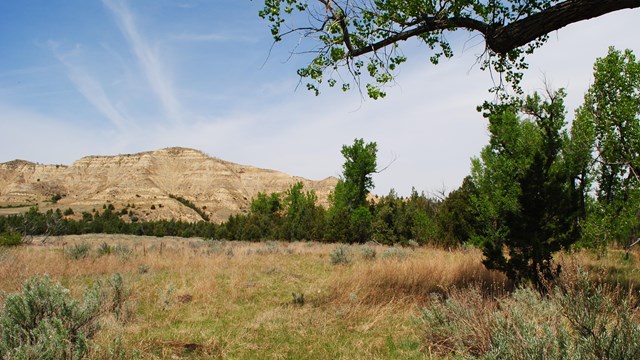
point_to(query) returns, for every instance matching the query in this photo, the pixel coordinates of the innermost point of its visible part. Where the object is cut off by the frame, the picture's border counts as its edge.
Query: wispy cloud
(89, 87)
(148, 58)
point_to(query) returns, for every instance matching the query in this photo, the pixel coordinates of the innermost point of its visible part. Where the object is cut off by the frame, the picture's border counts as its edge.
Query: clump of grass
(340, 255)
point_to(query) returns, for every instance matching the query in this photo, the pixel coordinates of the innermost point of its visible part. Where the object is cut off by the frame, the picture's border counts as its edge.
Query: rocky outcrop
(145, 180)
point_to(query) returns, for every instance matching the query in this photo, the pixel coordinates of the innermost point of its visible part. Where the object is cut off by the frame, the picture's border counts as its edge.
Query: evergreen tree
(527, 201)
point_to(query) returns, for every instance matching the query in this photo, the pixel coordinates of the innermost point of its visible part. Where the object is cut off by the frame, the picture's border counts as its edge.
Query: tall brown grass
(417, 278)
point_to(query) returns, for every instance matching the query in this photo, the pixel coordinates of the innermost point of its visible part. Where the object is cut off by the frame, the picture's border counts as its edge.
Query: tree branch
(502, 39)
(521, 32)
(428, 24)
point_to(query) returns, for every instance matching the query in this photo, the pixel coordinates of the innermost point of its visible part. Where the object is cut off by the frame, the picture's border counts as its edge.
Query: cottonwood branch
(504, 38)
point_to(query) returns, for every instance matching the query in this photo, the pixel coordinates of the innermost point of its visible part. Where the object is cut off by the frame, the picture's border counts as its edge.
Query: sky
(92, 77)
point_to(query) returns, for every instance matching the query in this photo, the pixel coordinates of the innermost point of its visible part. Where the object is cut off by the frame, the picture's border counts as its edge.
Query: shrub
(55, 198)
(43, 322)
(395, 252)
(298, 298)
(118, 296)
(368, 253)
(143, 269)
(123, 251)
(412, 244)
(78, 251)
(104, 249)
(602, 315)
(579, 319)
(10, 238)
(340, 255)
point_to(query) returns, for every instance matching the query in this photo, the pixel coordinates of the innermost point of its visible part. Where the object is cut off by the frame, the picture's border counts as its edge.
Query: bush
(123, 251)
(579, 319)
(412, 244)
(395, 252)
(368, 253)
(104, 249)
(340, 255)
(43, 322)
(78, 251)
(10, 238)
(55, 198)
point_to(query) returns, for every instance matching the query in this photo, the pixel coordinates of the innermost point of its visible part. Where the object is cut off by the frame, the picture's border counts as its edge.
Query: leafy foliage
(357, 42)
(304, 219)
(349, 217)
(612, 108)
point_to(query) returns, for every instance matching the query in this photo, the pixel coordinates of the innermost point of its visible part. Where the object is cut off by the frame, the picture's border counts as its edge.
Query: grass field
(190, 298)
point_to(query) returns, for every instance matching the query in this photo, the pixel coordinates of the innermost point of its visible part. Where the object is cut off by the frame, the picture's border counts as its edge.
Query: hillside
(146, 180)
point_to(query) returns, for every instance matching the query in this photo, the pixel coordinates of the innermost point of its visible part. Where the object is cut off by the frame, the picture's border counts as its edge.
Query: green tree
(264, 220)
(359, 165)
(304, 219)
(456, 221)
(612, 108)
(364, 37)
(527, 201)
(346, 218)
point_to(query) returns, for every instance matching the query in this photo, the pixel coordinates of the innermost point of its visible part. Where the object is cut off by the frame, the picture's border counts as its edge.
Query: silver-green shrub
(368, 253)
(78, 251)
(44, 322)
(340, 255)
(579, 319)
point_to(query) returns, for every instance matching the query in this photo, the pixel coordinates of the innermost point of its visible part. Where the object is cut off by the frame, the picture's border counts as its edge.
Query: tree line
(291, 216)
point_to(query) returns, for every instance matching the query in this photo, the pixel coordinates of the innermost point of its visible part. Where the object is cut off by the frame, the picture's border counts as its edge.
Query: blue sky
(91, 77)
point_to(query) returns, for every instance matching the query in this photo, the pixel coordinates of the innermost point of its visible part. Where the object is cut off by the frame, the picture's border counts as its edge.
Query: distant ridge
(144, 181)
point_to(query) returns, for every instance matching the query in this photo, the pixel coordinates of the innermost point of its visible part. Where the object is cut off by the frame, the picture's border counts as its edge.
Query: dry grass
(196, 299)
(418, 277)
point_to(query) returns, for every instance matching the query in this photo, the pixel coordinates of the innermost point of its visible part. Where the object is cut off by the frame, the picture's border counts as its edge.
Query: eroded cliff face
(141, 180)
